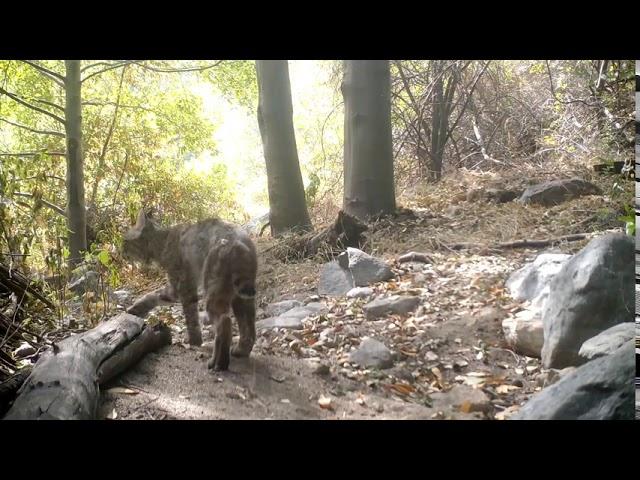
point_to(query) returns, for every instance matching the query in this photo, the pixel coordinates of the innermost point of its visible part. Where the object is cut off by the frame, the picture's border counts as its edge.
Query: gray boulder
(602, 389)
(364, 268)
(531, 282)
(593, 291)
(335, 280)
(86, 283)
(556, 192)
(372, 353)
(393, 304)
(608, 341)
(278, 308)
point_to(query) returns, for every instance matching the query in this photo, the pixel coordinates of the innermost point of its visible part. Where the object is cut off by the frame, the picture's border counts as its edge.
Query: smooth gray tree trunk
(275, 119)
(76, 215)
(368, 153)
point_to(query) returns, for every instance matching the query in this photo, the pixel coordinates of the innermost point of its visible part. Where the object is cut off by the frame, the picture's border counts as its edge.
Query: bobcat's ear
(141, 221)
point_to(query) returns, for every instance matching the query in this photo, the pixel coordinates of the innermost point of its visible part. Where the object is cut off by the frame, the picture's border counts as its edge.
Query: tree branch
(175, 70)
(33, 154)
(53, 207)
(110, 66)
(49, 74)
(34, 130)
(51, 104)
(32, 107)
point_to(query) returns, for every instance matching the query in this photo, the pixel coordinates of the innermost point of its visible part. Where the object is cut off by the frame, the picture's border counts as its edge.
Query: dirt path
(451, 362)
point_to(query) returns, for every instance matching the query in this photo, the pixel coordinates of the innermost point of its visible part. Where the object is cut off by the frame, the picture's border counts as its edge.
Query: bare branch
(177, 70)
(49, 74)
(51, 104)
(33, 154)
(110, 66)
(32, 107)
(34, 130)
(53, 207)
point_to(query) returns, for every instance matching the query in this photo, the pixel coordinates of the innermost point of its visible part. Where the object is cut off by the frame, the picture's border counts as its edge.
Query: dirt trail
(451, 360)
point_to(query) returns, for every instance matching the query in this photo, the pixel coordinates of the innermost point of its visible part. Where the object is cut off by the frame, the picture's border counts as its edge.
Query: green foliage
(629, 219)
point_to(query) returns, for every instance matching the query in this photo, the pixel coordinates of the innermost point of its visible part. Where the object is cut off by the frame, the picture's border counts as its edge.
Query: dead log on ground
(415, 257)
(151, 339)
(522, 243)
(63, 385)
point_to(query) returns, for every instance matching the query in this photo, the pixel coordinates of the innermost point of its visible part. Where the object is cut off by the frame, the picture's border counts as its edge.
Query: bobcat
(213, 255)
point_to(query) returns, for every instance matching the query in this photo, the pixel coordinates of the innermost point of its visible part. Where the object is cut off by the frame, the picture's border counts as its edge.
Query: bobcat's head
(137, 242)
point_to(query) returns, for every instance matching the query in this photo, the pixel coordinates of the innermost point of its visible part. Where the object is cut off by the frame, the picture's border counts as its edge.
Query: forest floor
(452, 361)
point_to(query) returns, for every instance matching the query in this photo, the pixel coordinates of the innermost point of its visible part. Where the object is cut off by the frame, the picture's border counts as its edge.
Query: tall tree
(275, 118)
(368, 153)
(76, 213)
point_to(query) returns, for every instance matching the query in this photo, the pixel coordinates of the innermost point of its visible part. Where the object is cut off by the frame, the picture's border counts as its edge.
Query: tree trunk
(76, 215)
(275, 119)
(368, 153)
(63, 385)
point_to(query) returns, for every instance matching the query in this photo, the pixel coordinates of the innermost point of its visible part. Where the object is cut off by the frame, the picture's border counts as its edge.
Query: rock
(359, 292)
(462, 398)
(593, 291)
(292, 319)
(500, 195)
(304, 311)
(278, 308)
(531, 282)
(122, 297)
(394, 304)
(608, 341)
(372, 353)
(335, 280)
(24, 350)
(557, 191)
(86, 283)
(293, 323)
(602, 389)
(524, 335)
(364, 268)
(317, 366)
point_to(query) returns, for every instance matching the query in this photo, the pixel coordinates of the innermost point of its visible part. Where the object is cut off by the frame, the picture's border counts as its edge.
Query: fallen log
(151, 339)
(16, 282)
(521, 243)
(63, 385)
(415, 257)
(10, 386)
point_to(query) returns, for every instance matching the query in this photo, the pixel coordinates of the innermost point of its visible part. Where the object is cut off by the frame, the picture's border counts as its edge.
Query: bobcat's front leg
(142, 306)
(244, 310)
(189, 298)
(218, 312)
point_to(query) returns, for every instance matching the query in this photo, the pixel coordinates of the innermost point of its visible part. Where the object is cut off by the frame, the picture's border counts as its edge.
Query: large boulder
(353, 268)
(593, 291)
(531, 282)
(602, 389)
(608, 341)
(556, 192)
(364, 268)
(335, 280)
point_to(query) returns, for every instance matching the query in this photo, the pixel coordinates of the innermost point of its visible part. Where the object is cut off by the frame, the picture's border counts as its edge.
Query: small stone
(359, 292)
(372, 353)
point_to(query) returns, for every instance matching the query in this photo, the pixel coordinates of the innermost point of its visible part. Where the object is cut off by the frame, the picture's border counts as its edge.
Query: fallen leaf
(502, 389)
(285, 400)
(112, 415)
(466, 407)
(402, 388)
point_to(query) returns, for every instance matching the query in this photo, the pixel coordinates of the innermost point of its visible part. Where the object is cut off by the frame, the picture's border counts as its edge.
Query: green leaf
(104, 258)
